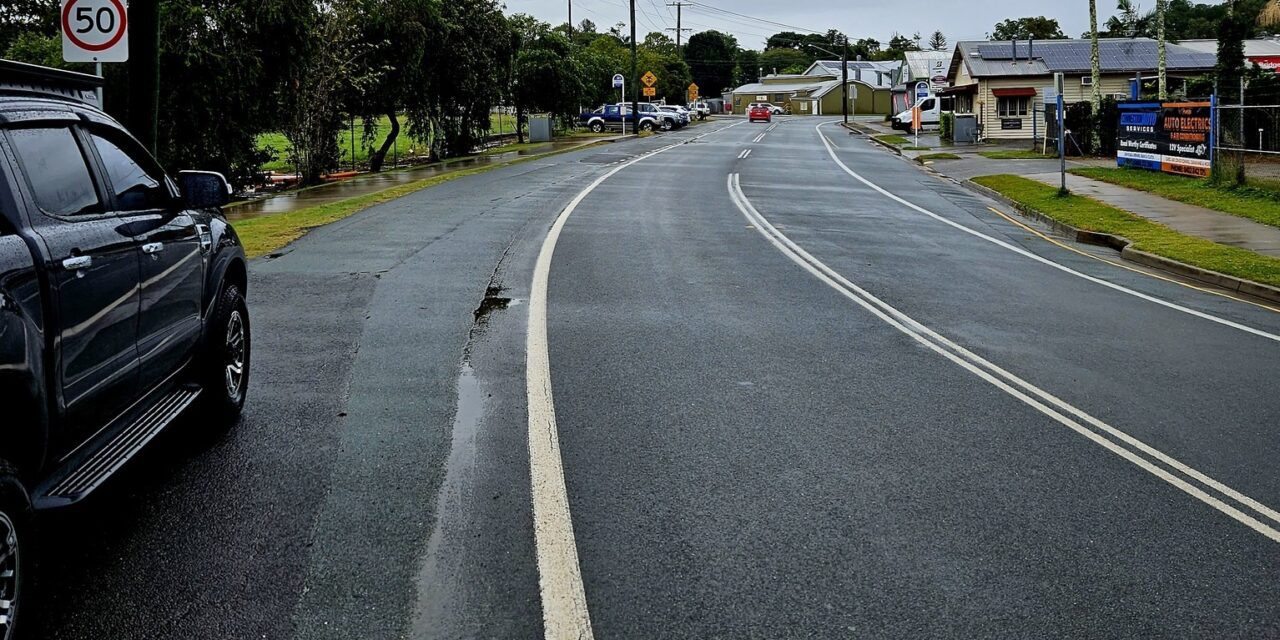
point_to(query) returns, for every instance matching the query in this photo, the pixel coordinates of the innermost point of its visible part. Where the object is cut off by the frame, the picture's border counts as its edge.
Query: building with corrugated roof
(1005, 84)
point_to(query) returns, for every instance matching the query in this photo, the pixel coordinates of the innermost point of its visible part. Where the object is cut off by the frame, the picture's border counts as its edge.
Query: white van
(930, 114)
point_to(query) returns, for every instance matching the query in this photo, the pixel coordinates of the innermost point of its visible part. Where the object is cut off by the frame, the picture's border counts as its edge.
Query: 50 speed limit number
(95, 31)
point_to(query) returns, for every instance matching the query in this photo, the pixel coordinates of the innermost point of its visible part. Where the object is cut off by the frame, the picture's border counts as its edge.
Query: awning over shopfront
(1019, 92)
(960, 89)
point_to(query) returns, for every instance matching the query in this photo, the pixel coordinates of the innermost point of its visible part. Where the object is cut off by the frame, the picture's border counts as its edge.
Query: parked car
(760, 112)
(611, 117)
(122, 306)
(700, 109)
(682, 115)
(666, 120)
(776, 110)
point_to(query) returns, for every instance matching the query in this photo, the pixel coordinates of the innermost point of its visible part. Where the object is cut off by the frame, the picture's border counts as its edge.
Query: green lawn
(280, 145)
(936, 156)
(1256, 203)
(893, 139)
(916, 148)
(1092, 215)
(1016, 155)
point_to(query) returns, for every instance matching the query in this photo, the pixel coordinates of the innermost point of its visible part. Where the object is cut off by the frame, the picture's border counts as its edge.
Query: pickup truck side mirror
(203, 189)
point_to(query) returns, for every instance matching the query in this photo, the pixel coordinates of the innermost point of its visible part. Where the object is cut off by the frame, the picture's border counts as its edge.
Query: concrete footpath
(1191, 220)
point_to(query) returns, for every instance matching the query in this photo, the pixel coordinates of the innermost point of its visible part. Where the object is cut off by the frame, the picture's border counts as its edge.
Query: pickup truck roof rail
(23, 78)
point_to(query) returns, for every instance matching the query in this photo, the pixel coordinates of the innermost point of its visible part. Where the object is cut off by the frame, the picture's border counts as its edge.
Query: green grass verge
(893, 139)
(265, 234)
(1092, 215)
(1016, 155)
(916, 148)
(936, 156)
(278, 145)
(1255, 203)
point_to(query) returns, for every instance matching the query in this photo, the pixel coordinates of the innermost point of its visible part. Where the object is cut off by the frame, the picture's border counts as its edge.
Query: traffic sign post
(95, 31)
(649, 79)
(619, 82)
(650, 92)
(916, 122)
(693, 92)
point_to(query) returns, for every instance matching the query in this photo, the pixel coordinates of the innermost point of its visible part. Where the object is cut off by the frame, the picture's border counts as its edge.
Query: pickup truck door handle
(152, 248)
(76, 263)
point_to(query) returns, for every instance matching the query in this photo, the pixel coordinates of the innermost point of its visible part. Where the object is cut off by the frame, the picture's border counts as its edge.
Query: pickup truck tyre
(597, 127)
(666, 125)
(16, 548)
(225, 366)
(647, 125)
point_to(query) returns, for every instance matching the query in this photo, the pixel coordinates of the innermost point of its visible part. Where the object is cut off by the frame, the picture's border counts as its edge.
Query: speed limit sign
(95, 31)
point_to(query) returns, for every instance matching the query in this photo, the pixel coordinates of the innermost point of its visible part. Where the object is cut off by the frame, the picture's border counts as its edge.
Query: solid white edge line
(1037, 258)
(565, 613)
(820, 270)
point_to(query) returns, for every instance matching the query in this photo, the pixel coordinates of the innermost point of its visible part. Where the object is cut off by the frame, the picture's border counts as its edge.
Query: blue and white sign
(617, 81)
(922, 90)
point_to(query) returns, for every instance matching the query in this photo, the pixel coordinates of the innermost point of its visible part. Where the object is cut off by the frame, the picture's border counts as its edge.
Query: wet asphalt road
(747, 452)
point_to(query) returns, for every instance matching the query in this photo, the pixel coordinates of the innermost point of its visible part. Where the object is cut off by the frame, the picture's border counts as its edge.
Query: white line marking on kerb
(1042, 260)
(564, 601)
(1006, 381)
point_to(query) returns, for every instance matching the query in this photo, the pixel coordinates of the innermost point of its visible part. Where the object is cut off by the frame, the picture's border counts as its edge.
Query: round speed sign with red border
(95, 31)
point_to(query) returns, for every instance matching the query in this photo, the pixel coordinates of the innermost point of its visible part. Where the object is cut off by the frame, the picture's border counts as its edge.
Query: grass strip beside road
(928, 157)
(266, 234)
(1259, 205)
(893, 139)
(1016, 155)
(1092, 215)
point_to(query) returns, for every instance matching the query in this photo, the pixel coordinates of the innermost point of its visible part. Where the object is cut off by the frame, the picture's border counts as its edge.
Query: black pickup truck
(122, 304)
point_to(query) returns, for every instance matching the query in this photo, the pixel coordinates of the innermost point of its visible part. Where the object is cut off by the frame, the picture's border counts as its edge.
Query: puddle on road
(492, 301)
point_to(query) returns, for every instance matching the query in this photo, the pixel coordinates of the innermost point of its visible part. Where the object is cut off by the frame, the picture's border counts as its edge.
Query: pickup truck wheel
(227, 357)
(16, 522)
(666, 125)
(597, 127)
(646, 126)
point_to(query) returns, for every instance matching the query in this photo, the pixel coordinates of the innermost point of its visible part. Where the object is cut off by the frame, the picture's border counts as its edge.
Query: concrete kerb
(1125, 247)
(871, 135)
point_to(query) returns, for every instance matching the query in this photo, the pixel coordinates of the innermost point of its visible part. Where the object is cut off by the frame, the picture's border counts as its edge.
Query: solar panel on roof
(1115, 55)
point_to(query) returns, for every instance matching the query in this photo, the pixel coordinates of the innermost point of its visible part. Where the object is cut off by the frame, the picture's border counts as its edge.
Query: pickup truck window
(139, 184)
(56, 170)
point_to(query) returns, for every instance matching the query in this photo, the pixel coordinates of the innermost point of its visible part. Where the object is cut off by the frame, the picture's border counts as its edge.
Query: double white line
(1238, 506)
(760, 137)
(744, 154)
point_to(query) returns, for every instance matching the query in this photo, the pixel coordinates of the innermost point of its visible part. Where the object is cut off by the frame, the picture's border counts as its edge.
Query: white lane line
(1023, 252)
(988, 371)
(564, 601)
(760, 137)
(744, 154)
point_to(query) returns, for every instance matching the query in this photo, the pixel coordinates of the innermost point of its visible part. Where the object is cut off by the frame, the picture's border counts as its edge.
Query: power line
(792, 27)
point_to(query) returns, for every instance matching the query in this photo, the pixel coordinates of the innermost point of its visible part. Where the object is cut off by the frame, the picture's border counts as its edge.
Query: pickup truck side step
(80, 476)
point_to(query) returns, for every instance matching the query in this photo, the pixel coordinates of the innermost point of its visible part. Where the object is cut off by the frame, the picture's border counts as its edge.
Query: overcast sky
(879, 19)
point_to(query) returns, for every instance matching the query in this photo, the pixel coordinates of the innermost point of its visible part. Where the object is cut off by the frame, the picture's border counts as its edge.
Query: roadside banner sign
(95, 31)
(649, 79)
(650, 92)
(693, 92)
(1172, 137)
(618, 80)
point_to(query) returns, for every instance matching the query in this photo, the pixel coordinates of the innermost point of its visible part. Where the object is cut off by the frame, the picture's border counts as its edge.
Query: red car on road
(759, 112)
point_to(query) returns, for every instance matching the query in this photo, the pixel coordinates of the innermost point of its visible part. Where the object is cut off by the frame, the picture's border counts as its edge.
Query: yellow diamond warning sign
(648, 79)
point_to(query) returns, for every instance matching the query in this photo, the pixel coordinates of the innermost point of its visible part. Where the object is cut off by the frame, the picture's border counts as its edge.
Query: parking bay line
(564, 603)
(1007, 381)
(1041, 259)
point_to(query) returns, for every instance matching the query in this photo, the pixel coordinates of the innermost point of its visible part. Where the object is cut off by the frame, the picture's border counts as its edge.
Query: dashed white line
(1007, 381)
(1045, 261)
(564, 601)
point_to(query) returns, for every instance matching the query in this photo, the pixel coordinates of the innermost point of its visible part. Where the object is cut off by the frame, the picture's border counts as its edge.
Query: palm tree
(1096, 67)
(1162, 61)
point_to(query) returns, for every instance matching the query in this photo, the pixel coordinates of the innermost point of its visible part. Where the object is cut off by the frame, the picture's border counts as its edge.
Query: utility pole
(144, 71)
(635, 78)
(571, 19)
(844, 82)
(679, 29)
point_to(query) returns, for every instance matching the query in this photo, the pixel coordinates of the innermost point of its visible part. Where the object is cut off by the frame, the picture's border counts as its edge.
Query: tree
(748, 67)
(547, 76)
(712, 57)
(785, 61)
(866, 48)
(937, 42)
(899, 44)
(1035, 28)
(786, 40)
